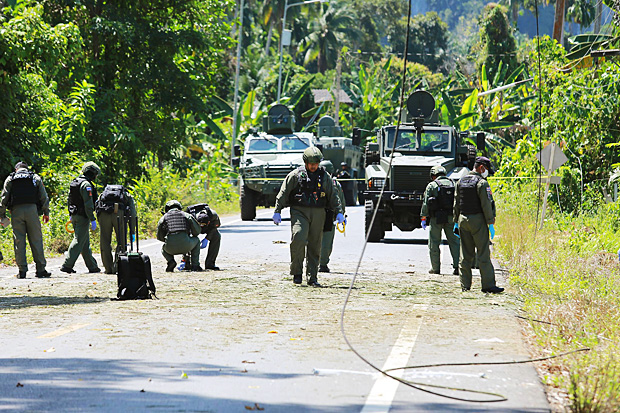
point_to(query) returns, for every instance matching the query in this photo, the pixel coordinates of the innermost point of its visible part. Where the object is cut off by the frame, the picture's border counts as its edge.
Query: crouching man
(179, 232)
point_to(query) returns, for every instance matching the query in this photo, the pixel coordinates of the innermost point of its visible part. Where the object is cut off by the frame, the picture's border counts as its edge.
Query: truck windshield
(295, 143)
(263, 145)
(430, 141)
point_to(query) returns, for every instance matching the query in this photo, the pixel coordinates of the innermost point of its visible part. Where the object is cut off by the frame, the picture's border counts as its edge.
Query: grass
(568, 275)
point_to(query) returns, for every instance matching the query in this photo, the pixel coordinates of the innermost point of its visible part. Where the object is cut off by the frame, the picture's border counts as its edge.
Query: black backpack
(206, 217)
(111, 196)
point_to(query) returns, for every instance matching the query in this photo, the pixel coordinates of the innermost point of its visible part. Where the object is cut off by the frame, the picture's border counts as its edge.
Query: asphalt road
(245, 338)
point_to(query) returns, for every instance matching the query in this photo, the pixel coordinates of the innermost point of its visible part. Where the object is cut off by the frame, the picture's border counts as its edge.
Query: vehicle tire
(247, 203)
(471, 156)
(376, 233)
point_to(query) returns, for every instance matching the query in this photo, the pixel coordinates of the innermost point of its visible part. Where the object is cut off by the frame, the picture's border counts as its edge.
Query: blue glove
(93, 225)
(492, 231)
(423, 222)
(456, 230)
(181, 266)
(203, 243)
(132, 237)
(277, 218)
(340, 219)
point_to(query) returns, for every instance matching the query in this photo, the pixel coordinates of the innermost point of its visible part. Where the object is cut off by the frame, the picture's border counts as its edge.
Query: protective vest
(309, 191)
(445, 194)
(112, 195)
(23, 188)
(76, 203)
(469, 202)
(175, 222)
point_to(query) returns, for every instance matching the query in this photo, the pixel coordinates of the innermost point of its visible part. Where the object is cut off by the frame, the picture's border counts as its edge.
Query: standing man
(179, 232)
(436, 213)
(474, 212)
(308, 190)
(329, 229)
(82, 196)
(25, 197)
(114, 205)
(344, 177)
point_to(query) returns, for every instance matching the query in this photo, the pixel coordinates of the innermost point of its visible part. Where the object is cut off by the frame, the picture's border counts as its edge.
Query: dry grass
(566, 279)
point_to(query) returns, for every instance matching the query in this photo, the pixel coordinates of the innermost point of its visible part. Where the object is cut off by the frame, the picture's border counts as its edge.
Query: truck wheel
(376, 233)
(247, 203)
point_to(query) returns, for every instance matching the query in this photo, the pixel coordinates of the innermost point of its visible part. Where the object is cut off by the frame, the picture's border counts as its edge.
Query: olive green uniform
(306, 223)
(328, 236)
(81, 227)
(25, 222)
(474, 232)
(434, 234)
(180, 242)
(108, 222)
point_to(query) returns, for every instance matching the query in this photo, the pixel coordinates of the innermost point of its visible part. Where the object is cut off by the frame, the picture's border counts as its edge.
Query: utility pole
(558, 23)
(237, 68)
(337, 94)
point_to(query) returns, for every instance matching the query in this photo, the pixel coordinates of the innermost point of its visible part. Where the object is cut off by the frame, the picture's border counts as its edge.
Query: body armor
(76, 203)
(176, 222)
(309, 191)
(23, 188)
(469, 202)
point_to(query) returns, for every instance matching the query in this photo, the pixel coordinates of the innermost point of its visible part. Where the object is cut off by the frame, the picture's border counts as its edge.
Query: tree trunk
(514, 6)
(558, 24)
(597, 17)
(269, 36)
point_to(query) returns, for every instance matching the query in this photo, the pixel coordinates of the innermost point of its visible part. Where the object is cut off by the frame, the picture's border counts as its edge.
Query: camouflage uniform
(25, 197)
(328, 234)
(179, 232)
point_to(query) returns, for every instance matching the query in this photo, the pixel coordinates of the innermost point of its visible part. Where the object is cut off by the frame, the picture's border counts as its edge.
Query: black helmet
(173, 204)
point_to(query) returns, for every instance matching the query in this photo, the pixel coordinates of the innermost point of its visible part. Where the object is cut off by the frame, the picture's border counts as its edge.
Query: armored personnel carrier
(339, 149)
(418, 145)
(267, 159)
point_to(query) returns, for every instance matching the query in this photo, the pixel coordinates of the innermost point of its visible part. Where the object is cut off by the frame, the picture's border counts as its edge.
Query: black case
(134, 277)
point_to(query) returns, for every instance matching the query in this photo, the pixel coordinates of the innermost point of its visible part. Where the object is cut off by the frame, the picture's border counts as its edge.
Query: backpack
(206, 217)
(112, 199)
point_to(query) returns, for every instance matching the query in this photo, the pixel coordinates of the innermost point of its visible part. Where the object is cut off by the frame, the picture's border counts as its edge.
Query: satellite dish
(327, 121)
(279, 111)
(420, 104)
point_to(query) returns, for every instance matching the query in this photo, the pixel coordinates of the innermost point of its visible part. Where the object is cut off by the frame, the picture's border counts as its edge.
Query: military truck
(338, 149)
(267, 159)
(418, 144)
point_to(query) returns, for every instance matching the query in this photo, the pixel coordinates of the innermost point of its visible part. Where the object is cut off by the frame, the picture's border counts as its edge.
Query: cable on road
(423, 387)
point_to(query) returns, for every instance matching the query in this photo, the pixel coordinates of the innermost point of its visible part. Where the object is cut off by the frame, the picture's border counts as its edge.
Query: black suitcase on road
(134, 277)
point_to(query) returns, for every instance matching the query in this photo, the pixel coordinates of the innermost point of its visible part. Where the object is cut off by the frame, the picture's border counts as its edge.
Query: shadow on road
(26, 301)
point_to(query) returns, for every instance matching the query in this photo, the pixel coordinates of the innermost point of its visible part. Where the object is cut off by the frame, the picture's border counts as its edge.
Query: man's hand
(46, 219)
(341, 219)
(423, 222)
(277, 218)
(492, 231)
(93, 225)
(132, 237)
(203, 243)
(456, 230)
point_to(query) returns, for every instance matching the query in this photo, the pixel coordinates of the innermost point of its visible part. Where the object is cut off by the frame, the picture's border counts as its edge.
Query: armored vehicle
(267, 159)
(339, 149)
(418, 145)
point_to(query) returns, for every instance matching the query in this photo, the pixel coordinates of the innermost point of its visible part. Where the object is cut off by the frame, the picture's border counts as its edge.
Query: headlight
(376, 183)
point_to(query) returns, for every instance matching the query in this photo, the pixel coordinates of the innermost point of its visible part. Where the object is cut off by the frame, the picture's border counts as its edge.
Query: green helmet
(91, 168)
(328, 166)
(312, 155)
(438, 170)
(174, 204)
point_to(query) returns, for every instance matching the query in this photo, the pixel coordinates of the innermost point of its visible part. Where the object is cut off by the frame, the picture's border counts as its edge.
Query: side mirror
(357, 137)
(235, 162)
(480, 141)
(236, 150)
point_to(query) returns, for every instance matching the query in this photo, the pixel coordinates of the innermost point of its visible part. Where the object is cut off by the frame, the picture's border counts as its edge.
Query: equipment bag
(112, 199)
(206, 217)
(134, 277)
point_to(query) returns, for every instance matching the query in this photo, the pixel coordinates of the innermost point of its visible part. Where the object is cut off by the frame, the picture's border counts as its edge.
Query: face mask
(485, 173)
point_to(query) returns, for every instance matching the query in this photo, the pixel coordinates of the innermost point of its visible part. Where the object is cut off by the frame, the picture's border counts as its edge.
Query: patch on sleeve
(489, 193)
(90, 190)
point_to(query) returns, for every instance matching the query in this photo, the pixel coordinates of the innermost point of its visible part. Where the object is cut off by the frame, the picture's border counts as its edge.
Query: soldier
(308, 190)
(436, 213)
(114, 204)
(474, 214)
(179, 232)
(25, 197)
(344, 177)
(329, 227)
(82, 197)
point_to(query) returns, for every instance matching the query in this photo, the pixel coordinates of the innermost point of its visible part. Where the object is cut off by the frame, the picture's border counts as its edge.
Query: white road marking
(64, 330)
(383, 391)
